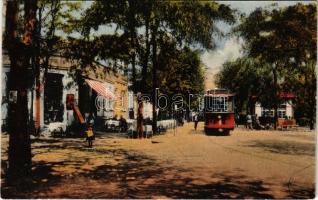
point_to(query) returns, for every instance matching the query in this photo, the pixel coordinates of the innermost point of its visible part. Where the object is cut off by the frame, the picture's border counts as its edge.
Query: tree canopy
(283, 43)
(141, 26)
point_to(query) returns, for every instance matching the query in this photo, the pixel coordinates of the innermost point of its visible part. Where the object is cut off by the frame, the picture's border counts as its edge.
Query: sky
(230, 48)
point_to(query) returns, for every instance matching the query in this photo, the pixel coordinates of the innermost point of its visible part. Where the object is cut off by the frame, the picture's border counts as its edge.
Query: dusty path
(181, 164)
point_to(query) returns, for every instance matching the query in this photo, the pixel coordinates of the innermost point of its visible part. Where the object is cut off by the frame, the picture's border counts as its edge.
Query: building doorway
(53, 93)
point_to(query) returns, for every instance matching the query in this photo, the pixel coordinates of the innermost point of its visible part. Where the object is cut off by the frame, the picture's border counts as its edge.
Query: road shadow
(135, 176)
(299, 192)
(284, 147)
(41, 178)
(131, 174)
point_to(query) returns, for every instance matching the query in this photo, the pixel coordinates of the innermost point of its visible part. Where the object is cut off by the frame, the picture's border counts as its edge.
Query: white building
(285, 110)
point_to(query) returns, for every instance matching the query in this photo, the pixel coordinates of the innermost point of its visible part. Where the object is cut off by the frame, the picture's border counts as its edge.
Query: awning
(101, 89)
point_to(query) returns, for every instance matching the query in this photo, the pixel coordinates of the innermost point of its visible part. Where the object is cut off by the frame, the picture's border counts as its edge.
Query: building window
(281, 112)
(267, 113)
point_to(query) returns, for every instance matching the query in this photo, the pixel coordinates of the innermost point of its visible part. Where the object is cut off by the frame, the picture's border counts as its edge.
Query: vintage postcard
(158, 99)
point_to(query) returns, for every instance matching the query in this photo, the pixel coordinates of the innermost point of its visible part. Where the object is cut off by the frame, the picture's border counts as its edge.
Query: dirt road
(179, 164)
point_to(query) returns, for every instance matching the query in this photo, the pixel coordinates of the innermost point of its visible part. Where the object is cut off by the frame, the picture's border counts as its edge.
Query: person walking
(196, 121)
(90, 136)
(237, 119)
(249, 121)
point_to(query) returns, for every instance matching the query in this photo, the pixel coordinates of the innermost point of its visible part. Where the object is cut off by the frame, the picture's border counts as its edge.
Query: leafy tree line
(280, 55)
(148, 30)
(152, 37)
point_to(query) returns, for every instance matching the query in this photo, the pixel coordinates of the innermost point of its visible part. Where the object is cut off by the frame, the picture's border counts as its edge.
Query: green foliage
(182, 23)
(246, 77)
(304, 84)
(286, 37)
(180, 72)
(193, 22)
(280, 34)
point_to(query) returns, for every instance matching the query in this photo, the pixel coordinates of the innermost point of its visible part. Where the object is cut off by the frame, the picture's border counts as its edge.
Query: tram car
(218, 112)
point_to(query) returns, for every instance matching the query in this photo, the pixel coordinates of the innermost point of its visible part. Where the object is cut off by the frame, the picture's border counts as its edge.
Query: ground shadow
(136, 176)
(285, 147)
(133, 175)
(40, 179)
(299, 192)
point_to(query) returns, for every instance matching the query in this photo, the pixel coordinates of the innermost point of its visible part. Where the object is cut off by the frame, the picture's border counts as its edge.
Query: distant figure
(196, 121)
(131, 113)
(237, 119)
(249, 121)
(258, 124)
(122, 124)
(90, 136)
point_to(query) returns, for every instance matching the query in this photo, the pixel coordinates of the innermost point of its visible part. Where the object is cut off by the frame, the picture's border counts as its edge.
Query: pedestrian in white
(196, 121)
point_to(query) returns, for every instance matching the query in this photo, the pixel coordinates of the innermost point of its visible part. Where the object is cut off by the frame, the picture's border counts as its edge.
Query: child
(90, 136)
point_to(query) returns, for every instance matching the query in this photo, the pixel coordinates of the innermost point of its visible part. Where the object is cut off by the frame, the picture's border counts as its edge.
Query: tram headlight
(219, 116)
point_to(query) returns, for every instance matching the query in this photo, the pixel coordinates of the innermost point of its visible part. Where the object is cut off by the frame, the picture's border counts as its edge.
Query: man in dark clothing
(122, 124)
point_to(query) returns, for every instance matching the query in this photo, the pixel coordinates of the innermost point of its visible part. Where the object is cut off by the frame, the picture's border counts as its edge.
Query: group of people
(252, 122)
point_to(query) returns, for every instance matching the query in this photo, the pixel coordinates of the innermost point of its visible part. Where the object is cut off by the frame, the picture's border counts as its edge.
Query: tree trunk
(140, 117)
(132, 32)
(147, 53)
(275, 97)
(136, 87)
(38, 87)
(311, 110)
(20, 54)
(154, 76)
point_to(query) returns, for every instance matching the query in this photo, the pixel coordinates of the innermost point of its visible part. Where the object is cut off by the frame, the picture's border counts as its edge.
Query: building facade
(62, 85)
(285, 109)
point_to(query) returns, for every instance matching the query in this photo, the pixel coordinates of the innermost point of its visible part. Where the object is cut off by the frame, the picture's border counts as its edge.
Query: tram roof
(219, 92)
(220, 95)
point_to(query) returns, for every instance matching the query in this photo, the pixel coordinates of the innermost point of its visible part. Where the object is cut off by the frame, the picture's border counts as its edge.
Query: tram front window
(219, 104)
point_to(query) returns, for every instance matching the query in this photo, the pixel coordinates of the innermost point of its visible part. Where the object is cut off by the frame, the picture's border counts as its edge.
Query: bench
(286, 123)
(132, 128)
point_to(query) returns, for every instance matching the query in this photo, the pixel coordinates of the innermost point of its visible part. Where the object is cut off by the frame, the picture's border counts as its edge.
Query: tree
(278, 36)
(304, 84)
(146, 23)
(189, 23)
(180, 72)
(246, 77)
(20, 53)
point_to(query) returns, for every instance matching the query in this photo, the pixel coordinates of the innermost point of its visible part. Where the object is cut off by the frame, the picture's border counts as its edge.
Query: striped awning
(101, 89)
